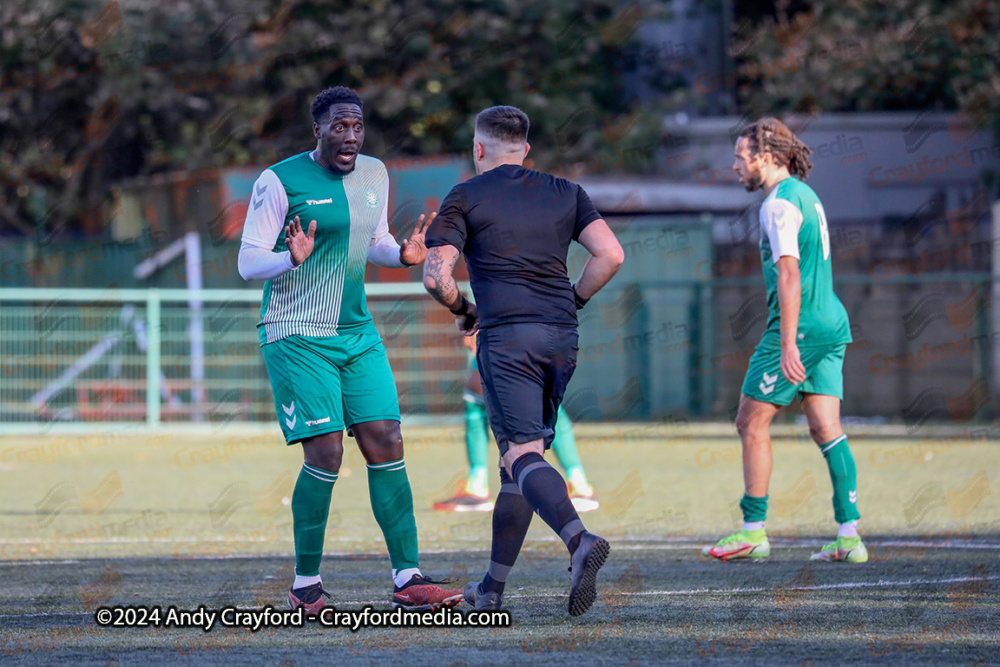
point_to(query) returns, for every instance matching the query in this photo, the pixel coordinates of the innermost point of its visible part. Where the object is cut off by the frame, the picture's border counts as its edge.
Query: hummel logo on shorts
(767, 386)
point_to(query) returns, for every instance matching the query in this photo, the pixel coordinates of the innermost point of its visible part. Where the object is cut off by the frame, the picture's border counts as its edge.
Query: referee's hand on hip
(466, 317)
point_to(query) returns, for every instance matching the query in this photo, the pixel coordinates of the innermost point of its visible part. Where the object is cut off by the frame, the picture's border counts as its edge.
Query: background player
(325, 360)
(514, 226)
(474, 493)
(802, 350)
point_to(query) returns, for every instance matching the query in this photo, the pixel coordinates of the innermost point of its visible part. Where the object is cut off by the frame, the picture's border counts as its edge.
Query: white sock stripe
(331, 480)
(399, 467)
(319, 470)
(833, 444)
(385, 466)
(324, 475)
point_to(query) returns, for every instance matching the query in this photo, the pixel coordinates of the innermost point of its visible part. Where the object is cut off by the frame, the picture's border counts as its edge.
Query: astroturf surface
(187, 521)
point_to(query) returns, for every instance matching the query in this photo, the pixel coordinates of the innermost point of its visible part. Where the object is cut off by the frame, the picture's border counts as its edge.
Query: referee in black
(514, 226)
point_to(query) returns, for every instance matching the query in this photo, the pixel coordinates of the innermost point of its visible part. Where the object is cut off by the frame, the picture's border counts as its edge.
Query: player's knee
(323, 453)
(391, 438)
(748, 425)
(742, 425)
(753, 422)
(380, 442)
(517, 451)
(824, 430)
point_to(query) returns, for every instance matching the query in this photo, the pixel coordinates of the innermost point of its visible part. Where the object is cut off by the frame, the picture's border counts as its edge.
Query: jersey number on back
(824, 231)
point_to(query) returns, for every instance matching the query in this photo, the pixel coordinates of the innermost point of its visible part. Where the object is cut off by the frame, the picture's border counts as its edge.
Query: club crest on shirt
(371, 199)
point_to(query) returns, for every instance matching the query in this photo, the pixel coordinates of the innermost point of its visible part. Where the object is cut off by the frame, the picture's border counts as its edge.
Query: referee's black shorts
(525, 369)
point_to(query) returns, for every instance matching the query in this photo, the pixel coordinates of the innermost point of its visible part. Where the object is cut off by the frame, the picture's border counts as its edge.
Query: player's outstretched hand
(468, 323)
(413, 250)
(791, 364)
(299, 243)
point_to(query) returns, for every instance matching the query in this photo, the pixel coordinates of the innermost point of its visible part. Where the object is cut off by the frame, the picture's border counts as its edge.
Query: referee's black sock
(511, 518)
(545, 491)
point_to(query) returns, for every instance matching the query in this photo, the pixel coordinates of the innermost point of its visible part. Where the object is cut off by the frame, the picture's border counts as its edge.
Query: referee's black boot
(482, 600)
(588, 558)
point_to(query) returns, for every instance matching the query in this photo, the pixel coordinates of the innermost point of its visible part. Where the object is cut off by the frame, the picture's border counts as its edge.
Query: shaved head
(502, 130)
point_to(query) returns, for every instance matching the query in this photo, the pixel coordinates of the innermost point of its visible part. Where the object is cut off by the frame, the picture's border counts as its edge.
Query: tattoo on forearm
(440, 268)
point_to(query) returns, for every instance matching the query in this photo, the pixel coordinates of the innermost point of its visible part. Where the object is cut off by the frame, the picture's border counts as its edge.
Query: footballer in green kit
(802, 350)
(326, 362)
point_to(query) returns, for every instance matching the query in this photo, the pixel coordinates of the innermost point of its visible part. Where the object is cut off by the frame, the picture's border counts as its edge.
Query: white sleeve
(781, 220)
(261, 264)
(265, 221)
(383, 249)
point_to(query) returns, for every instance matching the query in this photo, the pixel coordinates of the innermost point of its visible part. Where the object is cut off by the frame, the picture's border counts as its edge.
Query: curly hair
(770, 135)
(341, 94)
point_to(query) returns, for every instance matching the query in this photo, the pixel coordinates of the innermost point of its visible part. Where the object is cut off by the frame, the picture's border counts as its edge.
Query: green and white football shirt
(325, 296)
(793, 224)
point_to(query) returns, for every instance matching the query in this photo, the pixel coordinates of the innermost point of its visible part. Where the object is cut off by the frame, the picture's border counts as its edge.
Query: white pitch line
(618, 546)
(857, 584)
(807, 544)
(15, 563)
(942, 545)
(627, 544)
(694, 591)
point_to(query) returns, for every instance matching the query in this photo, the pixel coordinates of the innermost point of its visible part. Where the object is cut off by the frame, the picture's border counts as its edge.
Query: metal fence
(152, 357)
(649, 350)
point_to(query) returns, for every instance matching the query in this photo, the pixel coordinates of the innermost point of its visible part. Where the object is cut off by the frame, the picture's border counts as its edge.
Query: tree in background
(96, 92)
(865, 55)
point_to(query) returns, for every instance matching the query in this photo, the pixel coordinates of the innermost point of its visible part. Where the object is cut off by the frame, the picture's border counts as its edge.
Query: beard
(754, 182)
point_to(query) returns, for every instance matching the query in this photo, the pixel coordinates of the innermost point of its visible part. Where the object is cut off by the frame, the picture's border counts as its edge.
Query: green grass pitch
(188, 521)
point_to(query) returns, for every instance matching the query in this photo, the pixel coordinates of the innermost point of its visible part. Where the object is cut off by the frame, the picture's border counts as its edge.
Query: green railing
(649, 350)
(163, 343)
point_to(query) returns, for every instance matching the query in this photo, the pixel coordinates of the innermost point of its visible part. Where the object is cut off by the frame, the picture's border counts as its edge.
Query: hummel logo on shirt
(260, 193)
(319, 201)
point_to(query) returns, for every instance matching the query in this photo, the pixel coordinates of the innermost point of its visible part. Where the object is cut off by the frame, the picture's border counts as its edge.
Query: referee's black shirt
(514, 226)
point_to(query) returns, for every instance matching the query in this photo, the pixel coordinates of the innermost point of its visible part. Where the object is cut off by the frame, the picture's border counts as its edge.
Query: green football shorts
(824, 374)
(321, 384)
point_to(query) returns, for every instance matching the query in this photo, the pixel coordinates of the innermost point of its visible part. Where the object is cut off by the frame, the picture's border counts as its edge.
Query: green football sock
(564, 445)
(476, 446)
(754, 508)
(844, 476)
(392, 505)
(310, 510)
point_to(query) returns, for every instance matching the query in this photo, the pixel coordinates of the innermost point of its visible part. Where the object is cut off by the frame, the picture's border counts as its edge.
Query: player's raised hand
(413, 251)
(791, 364)
(299, 243)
